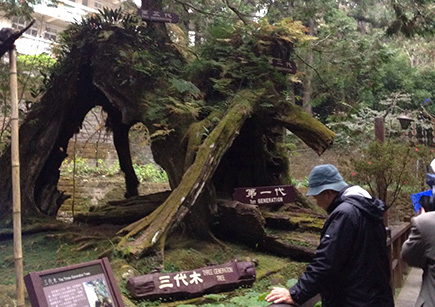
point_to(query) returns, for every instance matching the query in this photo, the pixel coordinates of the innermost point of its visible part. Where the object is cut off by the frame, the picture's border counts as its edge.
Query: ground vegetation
(214, 110)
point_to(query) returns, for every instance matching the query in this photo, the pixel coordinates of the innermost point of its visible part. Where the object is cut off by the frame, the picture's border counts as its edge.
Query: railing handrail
(396, 238)
(396, 233)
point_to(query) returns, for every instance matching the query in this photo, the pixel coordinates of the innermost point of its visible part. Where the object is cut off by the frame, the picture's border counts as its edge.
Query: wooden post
(380, 137)
(380, 129)
(15, 162)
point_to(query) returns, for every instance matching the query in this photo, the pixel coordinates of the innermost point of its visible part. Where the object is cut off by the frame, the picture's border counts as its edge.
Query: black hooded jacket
(350, 267)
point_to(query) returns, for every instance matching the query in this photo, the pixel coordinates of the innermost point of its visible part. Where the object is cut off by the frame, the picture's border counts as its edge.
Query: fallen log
(123, 212)
(245, 223)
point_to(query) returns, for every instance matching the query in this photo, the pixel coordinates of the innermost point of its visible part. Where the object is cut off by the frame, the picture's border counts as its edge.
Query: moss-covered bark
(150, 232)
(307, 128)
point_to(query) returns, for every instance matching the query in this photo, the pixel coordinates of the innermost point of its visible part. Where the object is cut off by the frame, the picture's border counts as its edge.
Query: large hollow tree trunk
(150, 233)
(122, 146)
(44, 137)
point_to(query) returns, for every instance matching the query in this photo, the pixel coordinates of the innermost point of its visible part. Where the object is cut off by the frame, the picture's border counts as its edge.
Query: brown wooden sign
(158, 16)
(85, 284)
(281, 194)
(285, 66)
(188, 284)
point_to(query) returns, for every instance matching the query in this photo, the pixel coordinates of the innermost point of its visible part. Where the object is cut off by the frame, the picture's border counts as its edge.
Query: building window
(32, 31)
(20, 23)
(50, 33)
(98, 5)
(85, 2)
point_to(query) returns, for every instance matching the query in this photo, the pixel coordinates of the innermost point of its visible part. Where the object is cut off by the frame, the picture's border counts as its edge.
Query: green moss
(307, 222)
(39, 253)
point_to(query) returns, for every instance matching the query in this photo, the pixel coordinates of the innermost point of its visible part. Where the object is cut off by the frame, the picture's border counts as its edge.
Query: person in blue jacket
(350, 266)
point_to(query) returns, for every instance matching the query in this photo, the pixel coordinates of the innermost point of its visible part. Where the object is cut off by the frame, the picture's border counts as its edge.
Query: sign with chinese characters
(285, 66)
(84, 284)
(158, 16)
(281, 194)
(188, 284)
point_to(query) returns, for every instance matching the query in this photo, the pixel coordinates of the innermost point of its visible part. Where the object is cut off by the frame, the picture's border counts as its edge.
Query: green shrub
(386, 169)
(83, 167)
(149, 172)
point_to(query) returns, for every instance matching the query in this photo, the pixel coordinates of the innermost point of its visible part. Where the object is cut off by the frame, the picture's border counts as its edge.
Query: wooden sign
(85, 284)
(281, 194)
(285, 66)
(158, 16)
(188, 284)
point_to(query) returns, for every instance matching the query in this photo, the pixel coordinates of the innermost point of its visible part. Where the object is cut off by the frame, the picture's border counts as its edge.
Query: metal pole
(16, 197)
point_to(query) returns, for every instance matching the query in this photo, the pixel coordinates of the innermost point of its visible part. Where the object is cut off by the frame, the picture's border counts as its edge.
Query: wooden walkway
(411, 288)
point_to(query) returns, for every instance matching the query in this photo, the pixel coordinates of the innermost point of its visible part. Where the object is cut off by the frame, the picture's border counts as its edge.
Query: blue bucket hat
(325, 177)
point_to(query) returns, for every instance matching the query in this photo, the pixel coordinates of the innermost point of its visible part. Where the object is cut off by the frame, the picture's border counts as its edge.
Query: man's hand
(280, 295)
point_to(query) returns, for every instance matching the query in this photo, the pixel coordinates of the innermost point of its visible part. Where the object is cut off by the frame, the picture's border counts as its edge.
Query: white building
(50, 21)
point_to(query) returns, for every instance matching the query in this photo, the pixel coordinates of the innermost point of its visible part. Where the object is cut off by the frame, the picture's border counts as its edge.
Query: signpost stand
(158, 16)
(84, 284)
(269, 195)
(284, 66)
(188, 284)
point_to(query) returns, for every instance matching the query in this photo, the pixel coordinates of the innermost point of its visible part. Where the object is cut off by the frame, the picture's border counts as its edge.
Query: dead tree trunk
(150, 233)
(44, 140)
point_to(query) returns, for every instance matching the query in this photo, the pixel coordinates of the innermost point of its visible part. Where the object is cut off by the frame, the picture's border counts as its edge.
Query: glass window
(50, 33)
(18, 23)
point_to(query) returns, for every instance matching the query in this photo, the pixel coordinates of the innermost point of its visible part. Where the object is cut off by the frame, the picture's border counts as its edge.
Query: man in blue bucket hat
(350, 267)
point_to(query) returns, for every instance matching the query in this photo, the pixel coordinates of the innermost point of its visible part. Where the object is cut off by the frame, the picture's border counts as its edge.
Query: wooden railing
(396, 237)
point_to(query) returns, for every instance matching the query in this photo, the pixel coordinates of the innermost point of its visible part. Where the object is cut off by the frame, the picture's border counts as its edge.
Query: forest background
(369, 59)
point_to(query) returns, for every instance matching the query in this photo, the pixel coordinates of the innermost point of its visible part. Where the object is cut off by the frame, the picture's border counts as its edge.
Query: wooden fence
(396, 237)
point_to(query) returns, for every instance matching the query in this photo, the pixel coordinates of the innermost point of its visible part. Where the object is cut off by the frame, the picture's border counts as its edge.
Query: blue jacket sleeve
(330, 256)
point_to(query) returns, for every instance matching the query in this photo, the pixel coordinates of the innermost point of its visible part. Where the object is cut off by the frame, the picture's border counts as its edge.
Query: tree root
(84, 247)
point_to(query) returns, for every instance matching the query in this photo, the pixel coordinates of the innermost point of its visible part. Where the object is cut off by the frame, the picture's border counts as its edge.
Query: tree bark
(313, 133)
(308, 89)
(150, 233)
(244, 223)
(44, 139)
(123, 212)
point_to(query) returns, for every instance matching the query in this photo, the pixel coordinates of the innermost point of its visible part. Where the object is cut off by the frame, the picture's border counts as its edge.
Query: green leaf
(183, 86)
(216, 297)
